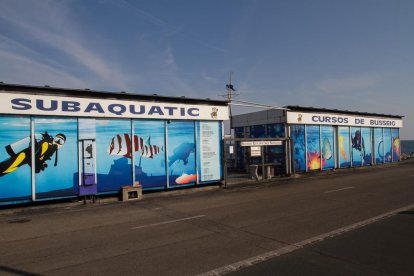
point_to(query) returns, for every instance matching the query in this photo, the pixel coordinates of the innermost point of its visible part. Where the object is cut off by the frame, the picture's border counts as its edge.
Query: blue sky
(352, 55)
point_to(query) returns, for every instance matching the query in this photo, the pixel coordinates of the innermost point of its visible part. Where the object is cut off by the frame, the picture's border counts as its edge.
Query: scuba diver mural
(20, 152)
(362, 151)
(358, 146)
(358, 141)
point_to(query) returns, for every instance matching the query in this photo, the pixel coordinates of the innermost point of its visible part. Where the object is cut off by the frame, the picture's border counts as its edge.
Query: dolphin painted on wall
(181, 153)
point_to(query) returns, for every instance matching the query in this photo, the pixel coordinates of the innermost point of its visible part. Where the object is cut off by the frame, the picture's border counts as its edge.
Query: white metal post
(32, 157)
(166, 124)
(306, 148)
(195, 149)
(320, 148)
(132, 140)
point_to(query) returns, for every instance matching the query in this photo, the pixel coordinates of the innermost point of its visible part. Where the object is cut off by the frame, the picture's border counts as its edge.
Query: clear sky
(353, 55)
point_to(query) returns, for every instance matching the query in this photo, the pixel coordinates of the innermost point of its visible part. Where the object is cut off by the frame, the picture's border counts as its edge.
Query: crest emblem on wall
(213, 113)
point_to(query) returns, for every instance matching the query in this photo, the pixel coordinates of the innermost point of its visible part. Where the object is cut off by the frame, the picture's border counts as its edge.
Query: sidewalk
(234, 180)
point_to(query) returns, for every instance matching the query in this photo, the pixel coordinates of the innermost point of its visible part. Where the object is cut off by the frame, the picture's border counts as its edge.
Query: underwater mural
(358, 147)
(86, 146)
(113, 167)
(20, 152)
(299, 148)
(124, 145)
(313, 147)
(387, 145)
(378, 145)
(149, 156)
(367, 153)
(344, 147)
(181, 153)
(15, 180)
(56, 139)
(396, 145)
(328, 154)
(275, 130)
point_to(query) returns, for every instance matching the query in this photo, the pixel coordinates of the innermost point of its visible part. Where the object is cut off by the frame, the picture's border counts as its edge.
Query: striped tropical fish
(121, 145)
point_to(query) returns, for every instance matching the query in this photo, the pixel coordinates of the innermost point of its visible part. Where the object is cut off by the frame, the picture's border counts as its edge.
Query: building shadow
(14, 271)
(409, 212)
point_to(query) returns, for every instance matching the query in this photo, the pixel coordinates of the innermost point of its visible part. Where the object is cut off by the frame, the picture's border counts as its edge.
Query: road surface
(208, 232)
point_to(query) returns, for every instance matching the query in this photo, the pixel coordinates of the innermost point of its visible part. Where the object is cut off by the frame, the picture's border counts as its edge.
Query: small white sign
(209, 151)
(260, 143)
(255, 151)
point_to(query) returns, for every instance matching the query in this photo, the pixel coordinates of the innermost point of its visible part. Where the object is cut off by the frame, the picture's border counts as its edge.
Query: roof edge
(122, 95)
(337, 111)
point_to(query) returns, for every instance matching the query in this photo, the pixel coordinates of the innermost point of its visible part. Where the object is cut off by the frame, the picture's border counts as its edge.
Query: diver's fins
(10, 151)
(16, 163)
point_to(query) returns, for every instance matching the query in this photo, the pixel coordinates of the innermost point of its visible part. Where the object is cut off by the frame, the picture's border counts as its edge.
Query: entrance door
(88, 183)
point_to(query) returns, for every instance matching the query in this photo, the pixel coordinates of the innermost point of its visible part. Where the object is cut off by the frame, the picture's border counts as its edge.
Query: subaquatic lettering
(96, 107)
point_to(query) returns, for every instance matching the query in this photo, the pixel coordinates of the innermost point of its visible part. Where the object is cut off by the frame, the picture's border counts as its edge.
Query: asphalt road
(385, 247)
(208, 231)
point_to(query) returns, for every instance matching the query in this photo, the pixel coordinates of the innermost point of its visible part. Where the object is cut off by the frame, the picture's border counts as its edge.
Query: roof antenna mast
(230, 89)
(230, 94)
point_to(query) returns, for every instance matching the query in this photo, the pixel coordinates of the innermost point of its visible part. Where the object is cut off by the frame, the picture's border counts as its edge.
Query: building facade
(319, 139)
(57, 143)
